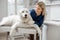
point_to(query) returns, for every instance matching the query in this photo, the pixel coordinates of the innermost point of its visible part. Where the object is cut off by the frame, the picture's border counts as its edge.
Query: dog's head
(25, 15)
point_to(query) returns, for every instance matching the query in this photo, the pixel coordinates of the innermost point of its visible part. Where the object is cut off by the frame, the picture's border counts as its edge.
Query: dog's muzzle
(25, 15)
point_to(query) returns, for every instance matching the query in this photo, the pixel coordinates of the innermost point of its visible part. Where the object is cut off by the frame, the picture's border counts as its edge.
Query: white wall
(3, 8)
(48, 12)
(55, 12)
(53, 32)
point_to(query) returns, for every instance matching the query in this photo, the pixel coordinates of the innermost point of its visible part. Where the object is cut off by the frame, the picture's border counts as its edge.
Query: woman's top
(38, 19)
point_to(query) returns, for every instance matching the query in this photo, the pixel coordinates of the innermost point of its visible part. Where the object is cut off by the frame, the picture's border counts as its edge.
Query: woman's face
(38, 9)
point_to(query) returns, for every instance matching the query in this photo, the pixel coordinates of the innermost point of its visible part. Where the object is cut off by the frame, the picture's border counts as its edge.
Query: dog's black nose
(25, 15)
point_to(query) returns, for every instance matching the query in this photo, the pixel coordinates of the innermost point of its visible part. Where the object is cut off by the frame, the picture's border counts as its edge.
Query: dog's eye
(22, 11)
(26, 11)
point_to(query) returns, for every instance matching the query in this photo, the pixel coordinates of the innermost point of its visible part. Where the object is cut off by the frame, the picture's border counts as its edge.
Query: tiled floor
(3, 36)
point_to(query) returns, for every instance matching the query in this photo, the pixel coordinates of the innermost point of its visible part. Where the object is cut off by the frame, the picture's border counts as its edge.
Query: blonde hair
(42, 5)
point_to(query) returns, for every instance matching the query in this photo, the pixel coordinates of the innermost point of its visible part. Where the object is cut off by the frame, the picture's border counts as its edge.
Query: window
(15, 5)
(53, 1)
(11, 7)
(53, 7)
(32, 3)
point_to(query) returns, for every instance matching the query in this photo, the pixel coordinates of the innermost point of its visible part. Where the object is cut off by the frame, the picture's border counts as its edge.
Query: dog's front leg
(13, 29)
(38, 29)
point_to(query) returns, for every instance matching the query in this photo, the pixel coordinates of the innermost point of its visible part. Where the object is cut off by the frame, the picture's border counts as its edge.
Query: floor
(4, 36)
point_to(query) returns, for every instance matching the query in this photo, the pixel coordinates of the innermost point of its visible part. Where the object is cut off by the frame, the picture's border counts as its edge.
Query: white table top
(5, 29)
(8, 28)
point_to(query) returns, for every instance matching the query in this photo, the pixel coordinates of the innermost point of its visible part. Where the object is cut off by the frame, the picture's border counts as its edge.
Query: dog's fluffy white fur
(20, 17)
(23, 19)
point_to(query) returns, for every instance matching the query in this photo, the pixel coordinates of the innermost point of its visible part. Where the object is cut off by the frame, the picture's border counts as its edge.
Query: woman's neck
(38, 13)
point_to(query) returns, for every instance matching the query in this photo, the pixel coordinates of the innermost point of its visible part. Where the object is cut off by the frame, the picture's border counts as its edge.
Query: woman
(38, 15)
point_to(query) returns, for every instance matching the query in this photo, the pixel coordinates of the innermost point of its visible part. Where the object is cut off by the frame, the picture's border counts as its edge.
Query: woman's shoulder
(31, 10)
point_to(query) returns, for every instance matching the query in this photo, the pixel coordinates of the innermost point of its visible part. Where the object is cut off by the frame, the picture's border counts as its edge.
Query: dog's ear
(20, 11)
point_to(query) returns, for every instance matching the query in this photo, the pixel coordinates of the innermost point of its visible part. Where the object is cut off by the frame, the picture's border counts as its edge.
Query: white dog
(23, 19)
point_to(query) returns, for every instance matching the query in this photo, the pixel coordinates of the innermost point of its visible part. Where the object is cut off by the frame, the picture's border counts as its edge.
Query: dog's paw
(1, 24)
(12, 32)
(36, 25)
